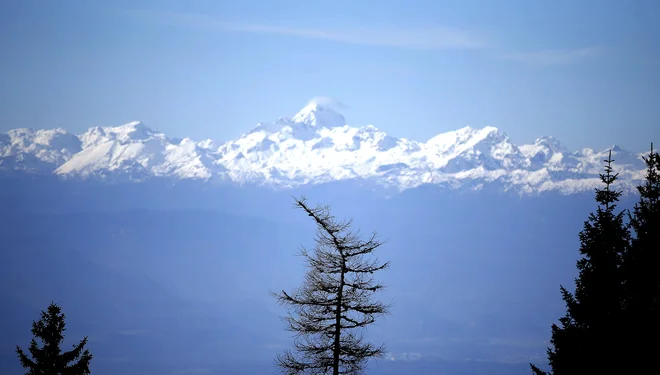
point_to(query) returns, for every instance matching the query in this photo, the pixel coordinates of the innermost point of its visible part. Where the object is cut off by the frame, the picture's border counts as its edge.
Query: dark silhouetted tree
(642, 269)
(49, 359)
(327, 313)
(590, 336)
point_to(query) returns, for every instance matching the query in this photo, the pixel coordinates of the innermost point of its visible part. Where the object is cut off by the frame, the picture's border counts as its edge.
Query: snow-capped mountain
(312, 147)
(133, 151)
(37, 150)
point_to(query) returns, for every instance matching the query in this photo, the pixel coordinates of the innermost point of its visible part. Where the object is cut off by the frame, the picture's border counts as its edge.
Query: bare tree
(329, 311)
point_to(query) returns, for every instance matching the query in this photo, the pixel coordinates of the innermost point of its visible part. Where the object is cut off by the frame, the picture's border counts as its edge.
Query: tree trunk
(340, 292)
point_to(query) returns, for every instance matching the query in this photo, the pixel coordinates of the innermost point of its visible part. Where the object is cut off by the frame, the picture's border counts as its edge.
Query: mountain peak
(466, 135)
(319, 114)
(551, 143)
(134, 130)
(130, 127)
(485, 129)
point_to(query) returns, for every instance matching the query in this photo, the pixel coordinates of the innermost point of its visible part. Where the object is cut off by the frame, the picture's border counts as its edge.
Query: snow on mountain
(316, 146)
(467, 148)
(38, 151)
(319, 115)
(135, 152)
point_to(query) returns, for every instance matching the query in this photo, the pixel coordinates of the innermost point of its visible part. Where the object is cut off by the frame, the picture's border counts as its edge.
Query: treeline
(612, 320)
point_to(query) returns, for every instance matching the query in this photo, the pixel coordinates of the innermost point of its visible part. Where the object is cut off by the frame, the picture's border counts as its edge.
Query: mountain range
(152, 243)
(315, 146)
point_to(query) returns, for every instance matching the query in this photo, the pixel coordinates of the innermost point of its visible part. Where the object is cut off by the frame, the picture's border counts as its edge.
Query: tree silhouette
(335, 302)
(592, 330)
(49, 359)
(641, 268)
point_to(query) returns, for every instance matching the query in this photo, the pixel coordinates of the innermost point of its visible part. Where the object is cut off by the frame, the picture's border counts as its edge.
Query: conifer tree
(589, 338)
(327, 313)
(49, 359)
(642, 268)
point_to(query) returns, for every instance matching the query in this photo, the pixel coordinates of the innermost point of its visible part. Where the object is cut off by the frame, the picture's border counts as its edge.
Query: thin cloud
(420, 39)
(328, 102)
(553, 57)
(436, 38)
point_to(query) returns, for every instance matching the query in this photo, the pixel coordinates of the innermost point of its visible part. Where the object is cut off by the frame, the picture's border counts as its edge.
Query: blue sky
(587, 72)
